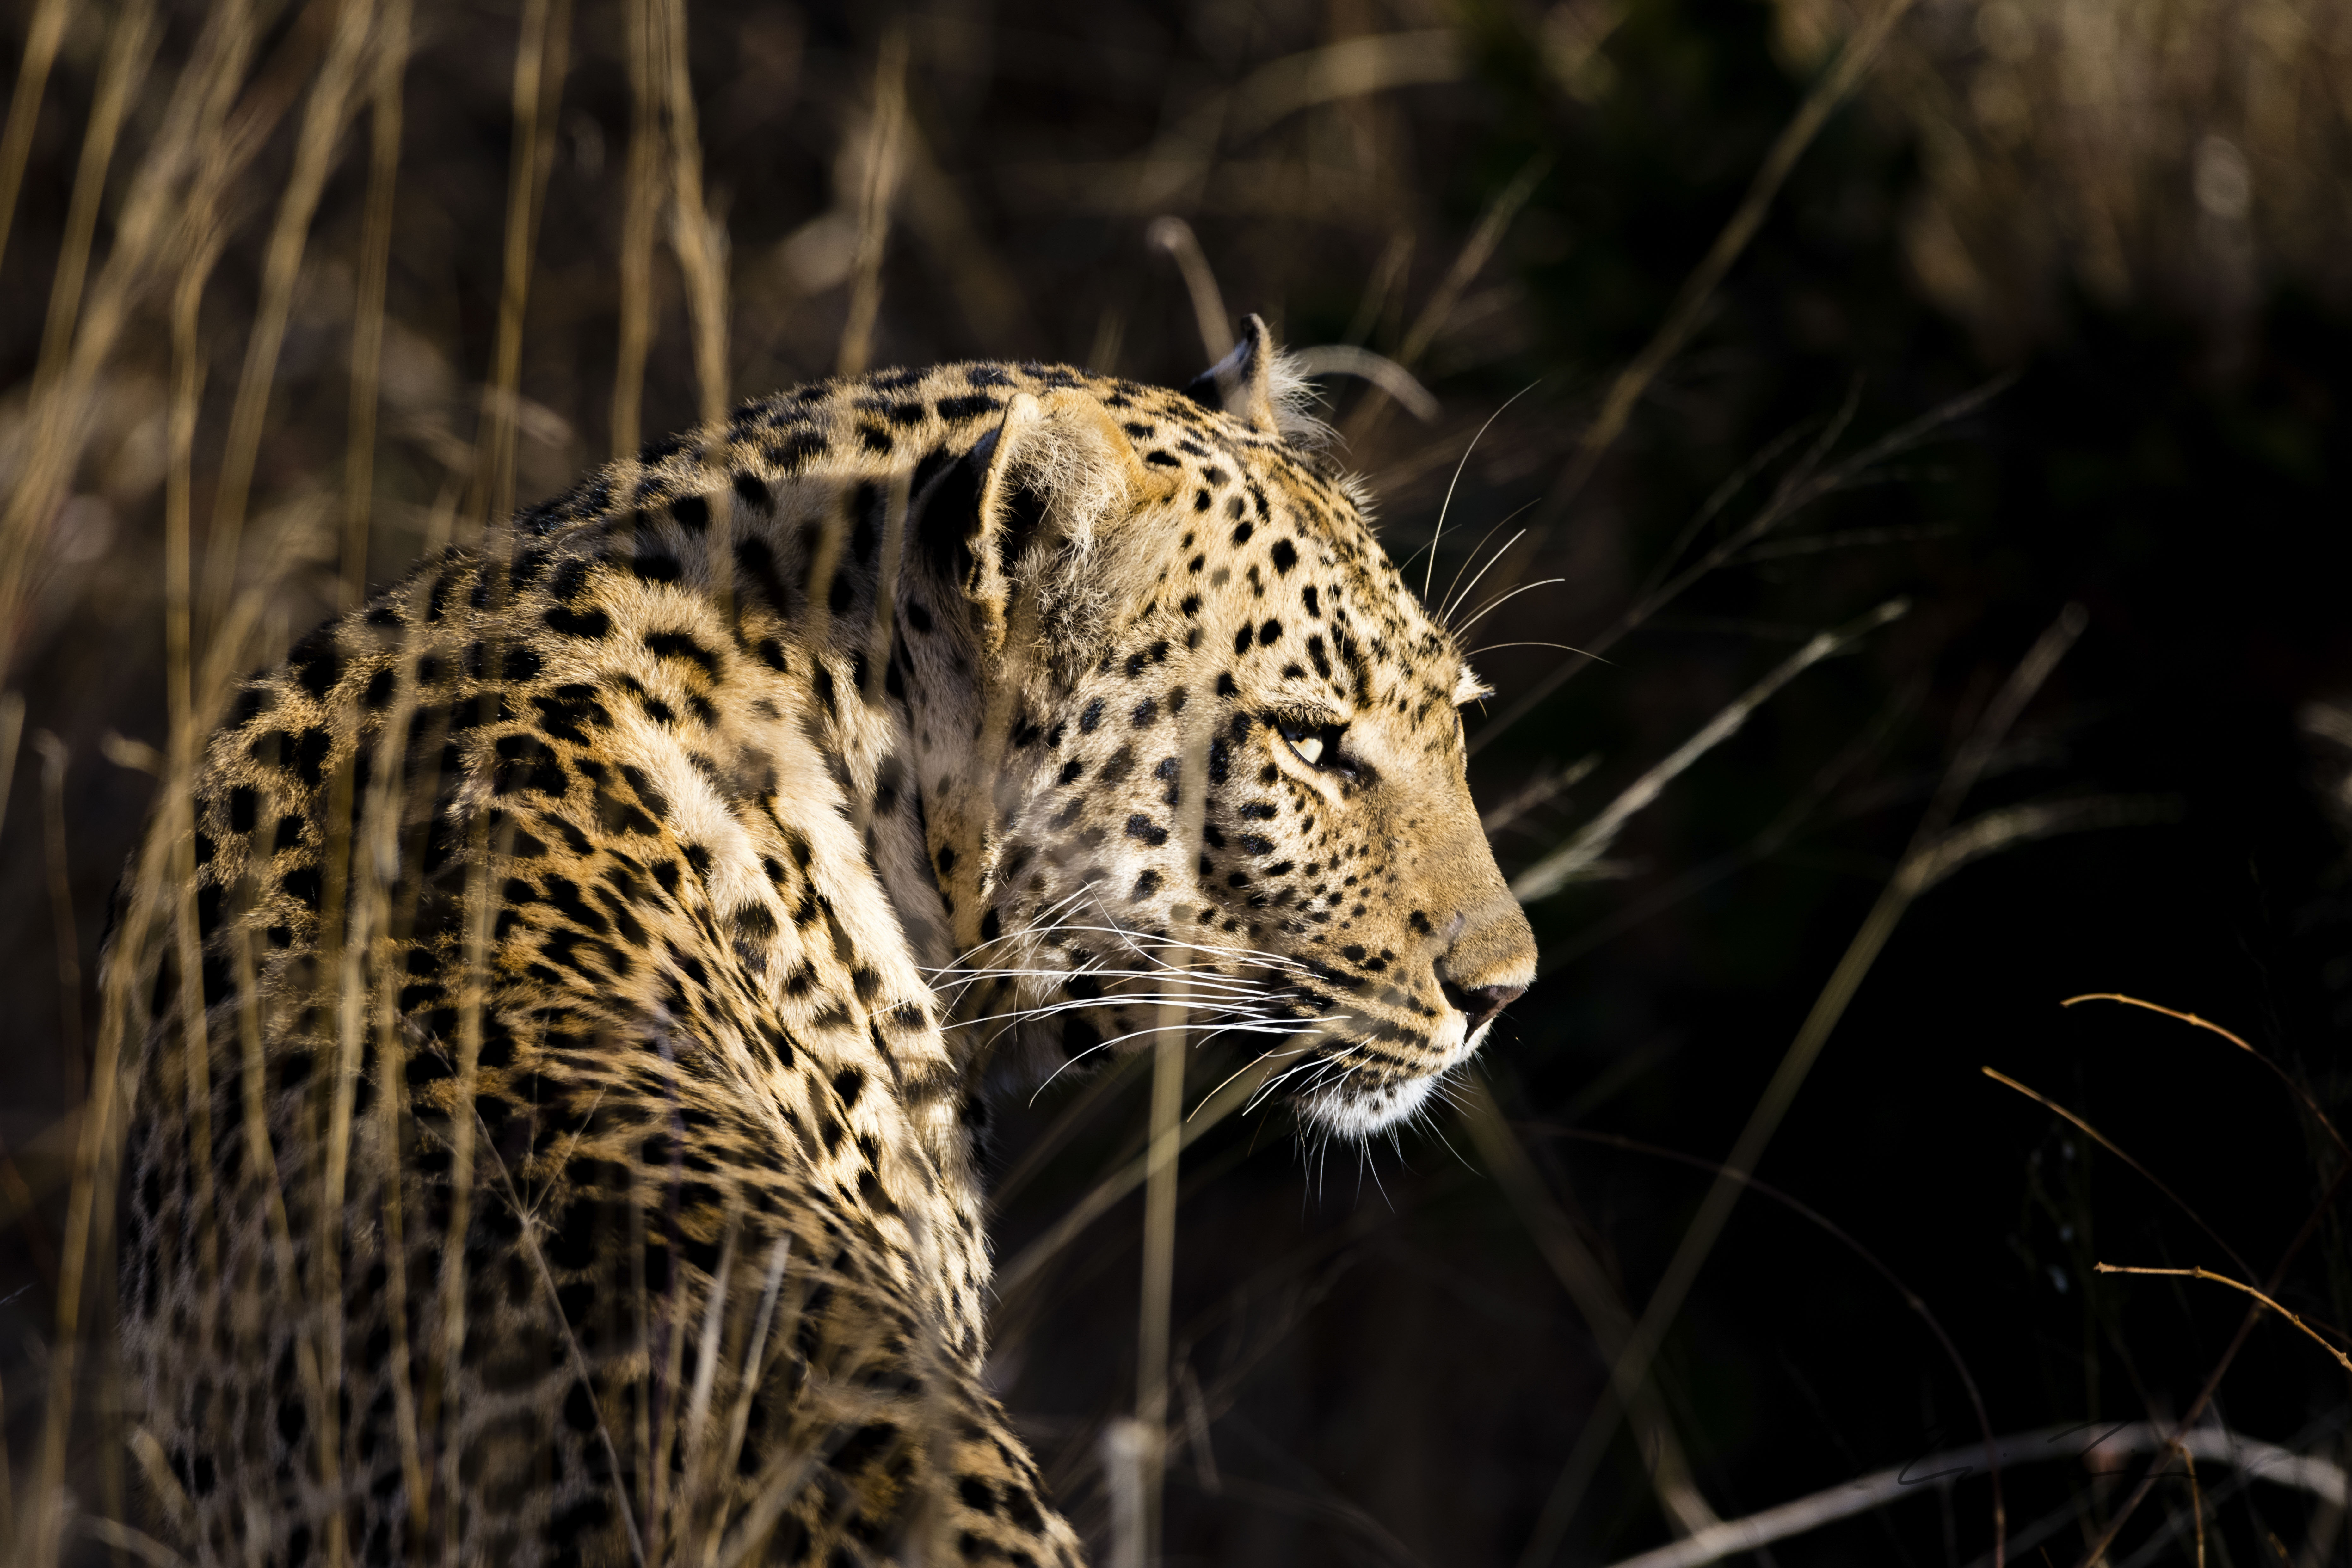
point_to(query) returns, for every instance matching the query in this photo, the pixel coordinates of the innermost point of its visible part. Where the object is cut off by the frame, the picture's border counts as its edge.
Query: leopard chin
(1357, 1105)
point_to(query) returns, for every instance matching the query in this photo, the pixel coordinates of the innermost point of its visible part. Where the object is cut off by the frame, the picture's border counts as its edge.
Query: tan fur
(721, 764)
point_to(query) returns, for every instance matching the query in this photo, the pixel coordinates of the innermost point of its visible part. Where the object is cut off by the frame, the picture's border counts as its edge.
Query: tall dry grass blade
(190, 158)
(641, 197)
(1174, 235)
(1163, 1158)
(325, 114)
(541, 55)
(379, 858)
(1014, 1278)
(41, 1532)
(129, 45)
(1468, 262)
(1596, 1297)
(1126, 1445)
(12, 731)
(699, 239)
(1384, 285)
(530, 1239)
(1471, 260)
(1836, 85)
(1584, 852)
(55, 758)
(880, 164)
(367, 311)
(183, 740)
(7, 1491)
(1714, 1210)
(738, 1416)
(474, 983)
(41, 39)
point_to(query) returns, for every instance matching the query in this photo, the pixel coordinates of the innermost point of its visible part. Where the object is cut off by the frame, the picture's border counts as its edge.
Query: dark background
(1388, 1373)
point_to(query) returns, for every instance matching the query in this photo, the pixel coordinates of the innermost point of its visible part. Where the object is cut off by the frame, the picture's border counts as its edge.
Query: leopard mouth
(1364, 1077)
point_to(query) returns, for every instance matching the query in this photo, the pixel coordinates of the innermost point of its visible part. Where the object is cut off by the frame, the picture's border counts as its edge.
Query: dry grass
(2185, 150)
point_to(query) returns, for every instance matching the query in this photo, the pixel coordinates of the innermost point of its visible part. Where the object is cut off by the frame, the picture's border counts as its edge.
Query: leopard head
(1209, 747)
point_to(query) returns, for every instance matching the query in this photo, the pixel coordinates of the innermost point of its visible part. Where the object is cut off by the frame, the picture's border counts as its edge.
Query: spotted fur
(686, 809)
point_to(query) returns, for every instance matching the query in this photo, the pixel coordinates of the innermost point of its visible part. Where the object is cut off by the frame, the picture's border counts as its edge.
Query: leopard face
(1231, 764)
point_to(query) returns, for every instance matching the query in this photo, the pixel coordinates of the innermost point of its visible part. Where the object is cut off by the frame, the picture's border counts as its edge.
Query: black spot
(242, 804)
(1269, 633)
(656, 566)
(1143, 828)
(1284, 555)
(1092, 717)
(753, 492)
(1243, 638)
(693, 514)
(1242, 533)
(591, 623)
(758, 563)
(797, 448)
(318, 664)
(680, 644)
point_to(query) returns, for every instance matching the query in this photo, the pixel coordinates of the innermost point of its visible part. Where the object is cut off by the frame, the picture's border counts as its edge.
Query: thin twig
(2303, 1094)
(2196, 1273)
(2103, 1141)
(880, 167)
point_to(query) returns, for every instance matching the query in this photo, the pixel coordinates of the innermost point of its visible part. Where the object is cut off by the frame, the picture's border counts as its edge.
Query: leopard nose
(1481, 1002)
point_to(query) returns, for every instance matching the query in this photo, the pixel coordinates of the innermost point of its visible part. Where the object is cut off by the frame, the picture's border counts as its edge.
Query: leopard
(563, 1072)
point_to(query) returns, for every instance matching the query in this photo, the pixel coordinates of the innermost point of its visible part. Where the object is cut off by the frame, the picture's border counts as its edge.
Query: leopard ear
(1029, 499)
(1242, 384)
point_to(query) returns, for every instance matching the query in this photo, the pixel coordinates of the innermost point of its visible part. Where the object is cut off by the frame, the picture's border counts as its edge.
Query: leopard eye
(1316, 746)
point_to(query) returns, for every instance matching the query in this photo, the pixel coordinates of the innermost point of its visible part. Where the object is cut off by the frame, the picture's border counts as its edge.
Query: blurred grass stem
(367, 314)
(541, 55)
(325, 114)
